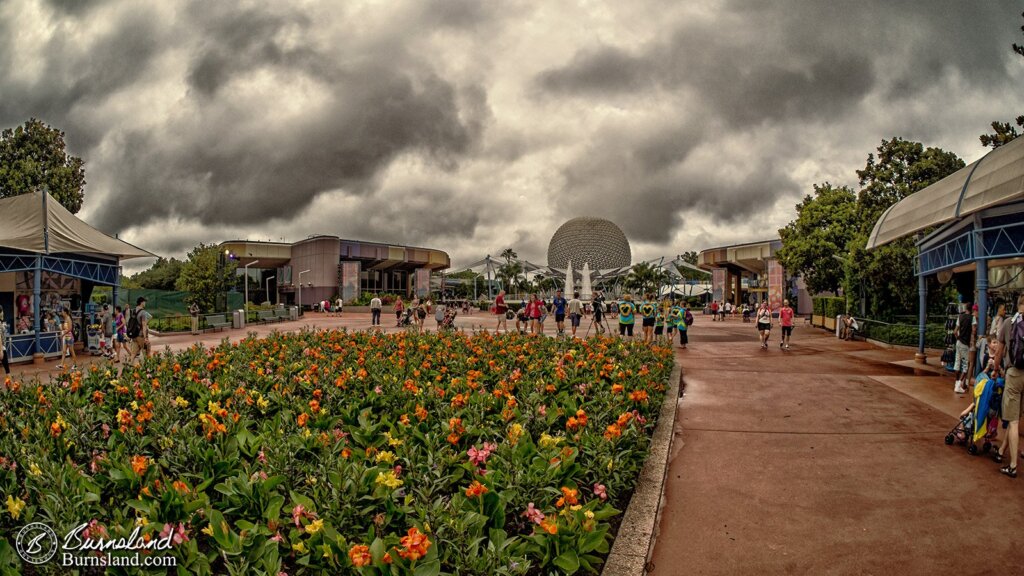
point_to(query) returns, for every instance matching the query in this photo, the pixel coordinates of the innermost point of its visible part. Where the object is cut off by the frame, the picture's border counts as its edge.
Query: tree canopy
(162, 275)
(33, 156)
(204, 275)
(825, 224)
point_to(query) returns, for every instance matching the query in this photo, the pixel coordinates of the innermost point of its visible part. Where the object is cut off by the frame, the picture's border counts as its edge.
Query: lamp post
(246, 267)
(269, 278)
(300, 289)
(223, 279)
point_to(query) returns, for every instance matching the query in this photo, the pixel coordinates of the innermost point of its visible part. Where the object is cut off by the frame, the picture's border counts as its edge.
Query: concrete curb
(634, 542)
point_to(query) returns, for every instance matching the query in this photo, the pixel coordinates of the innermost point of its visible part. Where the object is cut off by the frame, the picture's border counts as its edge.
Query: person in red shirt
(786, 321)
(534, 310)
(500, 309)
(714, 310)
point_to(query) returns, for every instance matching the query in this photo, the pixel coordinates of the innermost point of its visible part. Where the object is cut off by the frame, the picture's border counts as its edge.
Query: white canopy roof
(996, 178)
(22, 221)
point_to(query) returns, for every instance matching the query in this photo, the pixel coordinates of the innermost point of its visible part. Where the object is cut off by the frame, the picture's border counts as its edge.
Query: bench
(281, 314)
(266, 316)
(217, 321)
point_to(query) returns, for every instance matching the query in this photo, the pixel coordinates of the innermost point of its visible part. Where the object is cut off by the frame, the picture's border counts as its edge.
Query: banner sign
(422, 282)
(350, 281)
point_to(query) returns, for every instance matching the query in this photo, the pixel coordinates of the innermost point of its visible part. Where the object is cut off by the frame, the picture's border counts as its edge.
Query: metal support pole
(37, 282)
(922, 317)
(981, 281)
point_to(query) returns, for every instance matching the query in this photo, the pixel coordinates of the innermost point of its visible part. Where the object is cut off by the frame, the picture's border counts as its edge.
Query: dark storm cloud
(75, 7)
(606, 70)
(422, 217)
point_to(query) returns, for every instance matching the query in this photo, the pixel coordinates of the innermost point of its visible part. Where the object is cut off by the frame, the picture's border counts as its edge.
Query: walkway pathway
(825, 459)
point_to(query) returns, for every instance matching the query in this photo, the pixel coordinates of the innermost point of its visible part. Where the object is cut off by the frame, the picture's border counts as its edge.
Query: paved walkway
(826, 459)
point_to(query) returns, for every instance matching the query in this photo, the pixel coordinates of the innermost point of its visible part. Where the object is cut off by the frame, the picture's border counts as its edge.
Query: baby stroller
(448, 322)
(980, 421)
(406, 318)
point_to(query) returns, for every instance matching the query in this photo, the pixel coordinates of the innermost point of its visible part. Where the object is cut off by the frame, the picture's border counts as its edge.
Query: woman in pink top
(786, 321)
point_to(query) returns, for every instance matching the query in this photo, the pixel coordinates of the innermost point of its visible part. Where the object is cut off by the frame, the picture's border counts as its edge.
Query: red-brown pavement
(827, 458)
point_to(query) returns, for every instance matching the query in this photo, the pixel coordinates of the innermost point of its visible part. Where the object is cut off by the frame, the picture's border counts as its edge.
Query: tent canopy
(22, 221)
(996, 178)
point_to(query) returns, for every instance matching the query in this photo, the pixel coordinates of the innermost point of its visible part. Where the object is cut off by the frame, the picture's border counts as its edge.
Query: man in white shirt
(375, 307)
(575, 312)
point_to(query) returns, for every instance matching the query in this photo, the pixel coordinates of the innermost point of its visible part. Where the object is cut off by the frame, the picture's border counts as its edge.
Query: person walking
(627, 319)
(139, 342)
(338, 304)
(786, 315)
(559, 303)
(399, 309)
(67, 340)
(193, 310)
(534, 311)
(764, 323)
(500, 311)
(575, 312)
(107, 326)
(598, 306)
(120, 340)
(1010, 345)
(678, 316)
(714, 310)
(965, 332)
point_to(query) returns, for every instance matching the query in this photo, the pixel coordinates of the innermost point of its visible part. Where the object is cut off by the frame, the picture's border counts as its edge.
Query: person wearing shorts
(764, 323)
(575, 312)
(120, 339)
(786, 315)
(500, 309)
(626, 316)
(1012, 408)
(559, 303)
(649, 312)
(598, 305)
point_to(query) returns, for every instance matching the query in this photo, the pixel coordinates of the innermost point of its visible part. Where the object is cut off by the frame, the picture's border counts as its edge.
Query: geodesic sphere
(596, 241)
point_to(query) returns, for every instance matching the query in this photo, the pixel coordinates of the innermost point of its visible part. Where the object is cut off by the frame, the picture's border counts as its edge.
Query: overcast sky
(473, 126)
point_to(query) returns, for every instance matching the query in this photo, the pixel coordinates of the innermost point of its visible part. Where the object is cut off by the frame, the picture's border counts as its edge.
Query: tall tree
(645, 277)
(33, 156)
(162, 275)
(886, 275)
(206, 275)
(509, 255)
(1003, 132)
(825, 223)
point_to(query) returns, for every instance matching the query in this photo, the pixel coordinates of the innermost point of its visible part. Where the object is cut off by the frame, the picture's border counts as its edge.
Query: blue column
(922, 315)
(37, 283)
(981, 282)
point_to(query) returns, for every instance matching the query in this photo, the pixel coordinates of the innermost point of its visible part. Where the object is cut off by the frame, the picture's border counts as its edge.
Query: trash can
(293, 312)
(238, 319)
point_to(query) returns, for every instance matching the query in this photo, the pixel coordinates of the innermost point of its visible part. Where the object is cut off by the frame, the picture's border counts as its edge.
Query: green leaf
(568, 562)
(430, 568)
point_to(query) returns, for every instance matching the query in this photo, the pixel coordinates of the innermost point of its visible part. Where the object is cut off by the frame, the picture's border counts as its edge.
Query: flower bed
(322, 451)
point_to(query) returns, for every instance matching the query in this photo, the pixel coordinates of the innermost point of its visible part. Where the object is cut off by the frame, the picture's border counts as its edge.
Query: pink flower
(262, 458)
(300, 512)
(106, 430)
(478, 457)
(599, 491)
(397, 470)
(378, 389)
(179, 533)
(542, 410)
(533, 515)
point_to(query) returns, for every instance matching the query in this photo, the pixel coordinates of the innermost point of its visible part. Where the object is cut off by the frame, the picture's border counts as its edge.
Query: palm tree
(509, 255)
(645, 277)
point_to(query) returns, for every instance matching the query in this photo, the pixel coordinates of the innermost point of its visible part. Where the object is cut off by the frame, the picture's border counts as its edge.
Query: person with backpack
(1010, 345)
(137, 330)
(966, 331)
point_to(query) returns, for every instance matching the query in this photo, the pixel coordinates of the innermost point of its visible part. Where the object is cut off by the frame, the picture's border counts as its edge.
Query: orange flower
(421, 413)
(415, 545)
(638, 396)
(140, 464)
(387, 558)
(346, 453)
(404, 420)
(624, 419)
(617, 388)
(314, 406)
(613, 431)
(569, 496)
(360, 555)
(303, 418)
(97, 397)
(476, 490)
(180, 486)
(549, 525)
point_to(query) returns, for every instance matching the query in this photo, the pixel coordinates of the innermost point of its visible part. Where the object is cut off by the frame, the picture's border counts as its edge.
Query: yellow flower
(306, 433)
(213, 407)
(389, 479)
(141, 521)
(515, 431)
(15, 506)
(262, 403)
(611, 464)
(575, 508)
(387, 457)
(392, 441)
(315, 526)
(589, 515)
(208, 530)
(34, 470)
(299, 547)
(548, 441)
(181, 402)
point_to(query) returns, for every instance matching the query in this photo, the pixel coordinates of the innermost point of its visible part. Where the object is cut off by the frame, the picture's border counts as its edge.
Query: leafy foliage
(207, 275)
(825, 223)
(645, 277)
(33, 156)
(162, 275)
(318, 452)
(1003, 132)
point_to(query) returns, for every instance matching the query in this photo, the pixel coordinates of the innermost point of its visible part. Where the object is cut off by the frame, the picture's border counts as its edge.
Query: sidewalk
(825, 459)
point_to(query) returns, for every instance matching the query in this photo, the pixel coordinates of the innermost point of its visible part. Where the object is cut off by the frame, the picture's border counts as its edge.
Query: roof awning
(996, 178)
